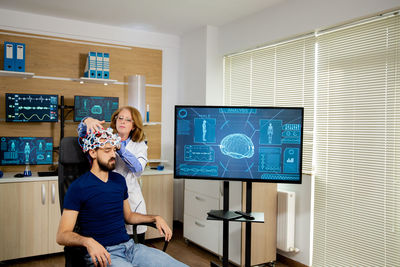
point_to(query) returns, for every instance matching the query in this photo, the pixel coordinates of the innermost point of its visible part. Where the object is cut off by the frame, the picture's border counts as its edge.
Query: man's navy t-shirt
(100, 207)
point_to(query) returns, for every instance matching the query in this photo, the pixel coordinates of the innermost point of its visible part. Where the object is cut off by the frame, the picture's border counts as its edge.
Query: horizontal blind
(357, 185)
(280, 75)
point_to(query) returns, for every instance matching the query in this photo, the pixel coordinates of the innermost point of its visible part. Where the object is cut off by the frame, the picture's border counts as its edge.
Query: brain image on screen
(237, 146)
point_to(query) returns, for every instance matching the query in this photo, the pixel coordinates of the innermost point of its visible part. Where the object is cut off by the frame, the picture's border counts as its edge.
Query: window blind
(355, 79)
(357, 185)
(279, 75)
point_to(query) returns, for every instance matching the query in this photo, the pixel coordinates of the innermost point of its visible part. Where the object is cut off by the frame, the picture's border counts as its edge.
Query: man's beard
(106, 166)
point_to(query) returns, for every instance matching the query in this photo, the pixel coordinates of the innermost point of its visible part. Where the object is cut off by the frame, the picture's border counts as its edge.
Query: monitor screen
(98, 107)
(31, 108)
(260, 144)
(22, 150)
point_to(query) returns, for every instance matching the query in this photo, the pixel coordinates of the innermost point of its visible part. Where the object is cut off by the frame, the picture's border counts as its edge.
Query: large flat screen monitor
(23, 150)
(31, 108)
(98, 107)
(259, 144)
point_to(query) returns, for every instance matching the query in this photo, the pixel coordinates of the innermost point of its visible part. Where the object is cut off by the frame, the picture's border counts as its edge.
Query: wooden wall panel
(59, 57)
(153, 99)
(153, 141)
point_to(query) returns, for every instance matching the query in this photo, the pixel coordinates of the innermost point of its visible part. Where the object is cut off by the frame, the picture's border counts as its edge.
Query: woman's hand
(93, 125)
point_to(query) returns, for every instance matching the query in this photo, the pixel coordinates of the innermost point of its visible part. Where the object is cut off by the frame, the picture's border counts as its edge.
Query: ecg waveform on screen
(31, 107)
(29, 118)
(30, 99)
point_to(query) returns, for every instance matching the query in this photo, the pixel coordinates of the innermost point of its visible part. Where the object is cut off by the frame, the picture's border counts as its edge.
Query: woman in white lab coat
(131, 158)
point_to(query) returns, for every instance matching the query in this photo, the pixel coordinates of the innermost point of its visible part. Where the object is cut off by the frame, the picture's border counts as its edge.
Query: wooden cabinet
(157, 191)
(29, 219)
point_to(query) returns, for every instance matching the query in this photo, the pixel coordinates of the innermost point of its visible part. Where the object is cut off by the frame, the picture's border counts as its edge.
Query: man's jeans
(131, 254)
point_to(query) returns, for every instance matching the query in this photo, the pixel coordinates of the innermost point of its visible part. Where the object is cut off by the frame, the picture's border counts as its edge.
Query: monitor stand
(226, 216)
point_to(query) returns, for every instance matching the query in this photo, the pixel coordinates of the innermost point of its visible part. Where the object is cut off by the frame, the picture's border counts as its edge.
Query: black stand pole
(225, 226)
(62, 107)
(225, 230)
(62, 119)
(248, 225)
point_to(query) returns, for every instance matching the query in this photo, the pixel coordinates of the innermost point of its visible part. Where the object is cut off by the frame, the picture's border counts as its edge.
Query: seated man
(98, 201)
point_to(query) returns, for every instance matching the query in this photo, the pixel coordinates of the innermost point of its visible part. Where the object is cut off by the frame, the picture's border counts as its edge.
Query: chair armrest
(150, 224)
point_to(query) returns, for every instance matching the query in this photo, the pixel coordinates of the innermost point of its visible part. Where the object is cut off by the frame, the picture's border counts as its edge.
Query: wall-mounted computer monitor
(23, 150)
(257, 144)
(98, 107)
(31, 108)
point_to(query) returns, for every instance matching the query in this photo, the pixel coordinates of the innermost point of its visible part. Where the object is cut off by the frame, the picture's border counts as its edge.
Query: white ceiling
(165, 16)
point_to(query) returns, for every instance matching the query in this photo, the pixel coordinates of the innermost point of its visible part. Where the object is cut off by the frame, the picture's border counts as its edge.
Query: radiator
(285, 221)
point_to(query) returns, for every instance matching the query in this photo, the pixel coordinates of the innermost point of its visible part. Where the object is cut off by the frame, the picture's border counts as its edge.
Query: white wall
(281, 22)
(295, 17)
(193, 68)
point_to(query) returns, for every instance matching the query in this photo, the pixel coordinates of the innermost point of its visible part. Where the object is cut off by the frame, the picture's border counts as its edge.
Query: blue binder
(9, 56)
(19, 57)
(106, 66)
(99, 65)
(90, 68)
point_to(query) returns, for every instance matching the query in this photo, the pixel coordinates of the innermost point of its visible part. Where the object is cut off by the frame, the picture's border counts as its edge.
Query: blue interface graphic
(97, 107)
(31, 108)
(23, 150)
(240, 143)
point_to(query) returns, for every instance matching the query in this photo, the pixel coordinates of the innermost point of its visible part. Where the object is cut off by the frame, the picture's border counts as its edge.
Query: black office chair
(72, 164)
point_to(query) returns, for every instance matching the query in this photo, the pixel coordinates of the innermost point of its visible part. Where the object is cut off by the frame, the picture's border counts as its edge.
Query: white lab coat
(136, 200)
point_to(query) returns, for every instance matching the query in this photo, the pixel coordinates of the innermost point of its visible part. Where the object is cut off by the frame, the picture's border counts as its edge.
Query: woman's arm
(135, 164)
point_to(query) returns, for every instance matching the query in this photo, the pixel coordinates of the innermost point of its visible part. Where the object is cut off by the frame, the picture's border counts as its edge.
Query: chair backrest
(72, 163)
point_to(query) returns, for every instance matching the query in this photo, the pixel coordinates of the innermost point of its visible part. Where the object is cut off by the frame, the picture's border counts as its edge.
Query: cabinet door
(54, 216)
(23, 220)
(158, 194)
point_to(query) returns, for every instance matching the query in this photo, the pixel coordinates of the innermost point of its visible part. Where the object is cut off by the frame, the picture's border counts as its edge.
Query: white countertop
(8, 177)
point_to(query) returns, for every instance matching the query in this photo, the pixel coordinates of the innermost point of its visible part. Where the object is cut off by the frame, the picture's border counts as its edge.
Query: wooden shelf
(16, 74)
(151, 123)
(94, 80)
(157, 160)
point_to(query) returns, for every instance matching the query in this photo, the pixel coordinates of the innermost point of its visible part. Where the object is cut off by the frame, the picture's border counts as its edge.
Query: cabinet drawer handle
(53, 193)
(199, 224)
(199, 198)
(43, 194)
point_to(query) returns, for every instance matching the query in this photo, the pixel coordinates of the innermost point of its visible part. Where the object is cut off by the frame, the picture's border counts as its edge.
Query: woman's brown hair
(137, 133)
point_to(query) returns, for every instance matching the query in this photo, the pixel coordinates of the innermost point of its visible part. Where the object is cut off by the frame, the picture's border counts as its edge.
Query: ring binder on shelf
(90, 68)
(19, 57)
(99, 65)
(9, 56)
(106, 66)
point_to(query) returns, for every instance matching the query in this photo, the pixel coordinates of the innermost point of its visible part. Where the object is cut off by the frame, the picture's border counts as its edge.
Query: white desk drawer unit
(197, 205)
(208, 188)
(202, 232)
